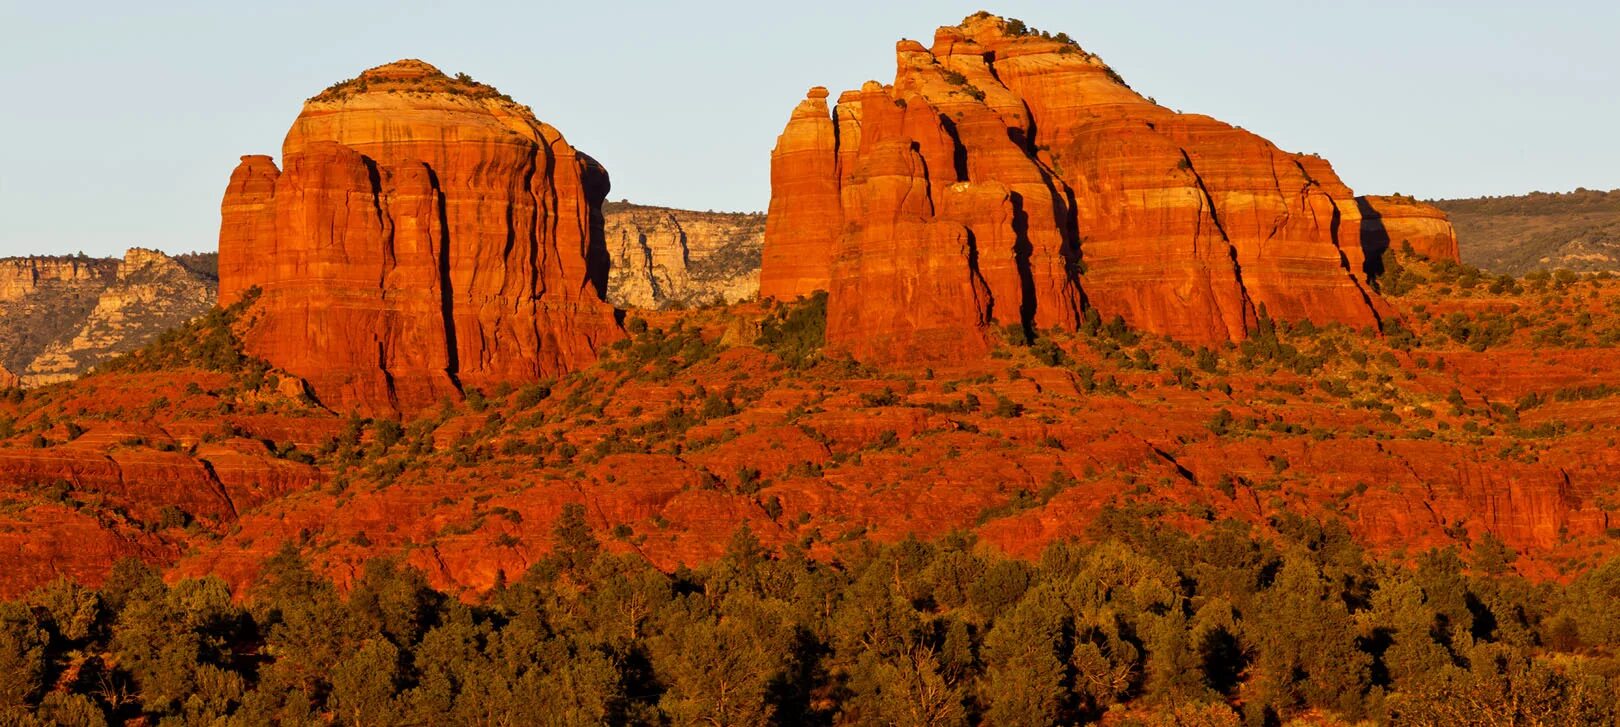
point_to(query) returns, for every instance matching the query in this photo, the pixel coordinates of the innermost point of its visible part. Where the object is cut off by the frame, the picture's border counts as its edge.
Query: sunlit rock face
(1391, 221)
(1009, 178)
(424, 234)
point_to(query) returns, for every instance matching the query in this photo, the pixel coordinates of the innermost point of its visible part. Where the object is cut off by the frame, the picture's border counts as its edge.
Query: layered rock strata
(662, 258)
(1009, 178)
(1396, 220)
(150, 294)
(61, 316)
(424, 234)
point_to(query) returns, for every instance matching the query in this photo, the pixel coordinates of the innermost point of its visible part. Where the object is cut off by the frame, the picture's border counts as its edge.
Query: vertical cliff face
(425, 234)
(1390, 221)
(24, 276)
(1021, 172)
(151, 293)
(664, 257)
(804, 222)
(247, 230)
(43, 299)
(61, 316)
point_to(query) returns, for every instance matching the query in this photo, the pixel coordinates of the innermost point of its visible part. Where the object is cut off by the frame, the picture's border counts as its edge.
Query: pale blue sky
(120, 122)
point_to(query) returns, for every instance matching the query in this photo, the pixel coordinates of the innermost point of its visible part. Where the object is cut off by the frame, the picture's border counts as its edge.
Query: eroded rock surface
(662, 257)
(424, 234)
(61, 316)
(1008, 178)
(1391, 221)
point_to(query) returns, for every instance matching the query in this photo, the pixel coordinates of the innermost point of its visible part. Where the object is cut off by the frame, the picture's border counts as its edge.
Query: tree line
(1138, 623)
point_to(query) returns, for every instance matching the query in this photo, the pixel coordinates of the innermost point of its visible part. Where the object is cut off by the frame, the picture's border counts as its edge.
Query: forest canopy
(1141, 623)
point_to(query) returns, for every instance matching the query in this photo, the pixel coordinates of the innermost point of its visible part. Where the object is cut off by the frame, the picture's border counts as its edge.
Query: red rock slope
(426, 233)
(1007, 176)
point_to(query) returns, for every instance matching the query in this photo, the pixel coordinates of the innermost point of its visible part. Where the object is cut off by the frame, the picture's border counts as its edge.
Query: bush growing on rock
(796, 332)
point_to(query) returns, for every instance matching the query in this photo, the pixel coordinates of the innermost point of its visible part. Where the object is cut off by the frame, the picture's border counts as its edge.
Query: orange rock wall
(1067, 186)
(425, 235)
(1390, 221)
(804, 220)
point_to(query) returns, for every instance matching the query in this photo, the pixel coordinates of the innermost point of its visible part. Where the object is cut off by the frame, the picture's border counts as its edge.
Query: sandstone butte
(1389, 221)
(1008, 177)
(425, 233)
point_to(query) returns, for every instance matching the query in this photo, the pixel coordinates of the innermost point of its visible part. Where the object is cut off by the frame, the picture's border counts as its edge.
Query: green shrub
(208, 343)
(795, 332)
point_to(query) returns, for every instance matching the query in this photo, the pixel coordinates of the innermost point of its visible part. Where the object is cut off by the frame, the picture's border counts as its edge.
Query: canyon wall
(662, 258)
(61, 316)
(425, 233)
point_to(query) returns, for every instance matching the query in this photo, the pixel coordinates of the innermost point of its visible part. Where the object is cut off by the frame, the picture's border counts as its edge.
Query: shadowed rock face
(1390, 221)
(424, 234)
(1007, 178)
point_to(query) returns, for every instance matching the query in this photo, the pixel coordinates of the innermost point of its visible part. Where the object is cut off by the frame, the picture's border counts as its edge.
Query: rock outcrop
(664, 257)
(1007, 177)
(21, 277)
(61, 316)
(150, 294)
(805, 219)
(43, 299)
(1396, 220)
(424, 234)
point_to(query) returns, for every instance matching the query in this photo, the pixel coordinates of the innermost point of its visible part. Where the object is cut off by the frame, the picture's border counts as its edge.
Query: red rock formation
(804, 220)
(1063, 182)
(426, 234)
(1393, 220)
(247, 224)
(48, 541)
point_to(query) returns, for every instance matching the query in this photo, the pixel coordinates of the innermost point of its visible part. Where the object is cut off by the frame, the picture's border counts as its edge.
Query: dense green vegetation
(796, 331)
(1147, 625)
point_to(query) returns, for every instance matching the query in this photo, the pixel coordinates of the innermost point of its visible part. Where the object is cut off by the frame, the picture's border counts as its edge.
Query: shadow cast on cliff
(1374, 239)
(452, 365)
(1023, 250)
(594, 178)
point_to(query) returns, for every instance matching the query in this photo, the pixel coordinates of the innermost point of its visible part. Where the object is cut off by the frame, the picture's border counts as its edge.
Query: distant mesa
(425, 233)
(1577, 231)
(1008, 178)
(62, 316)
